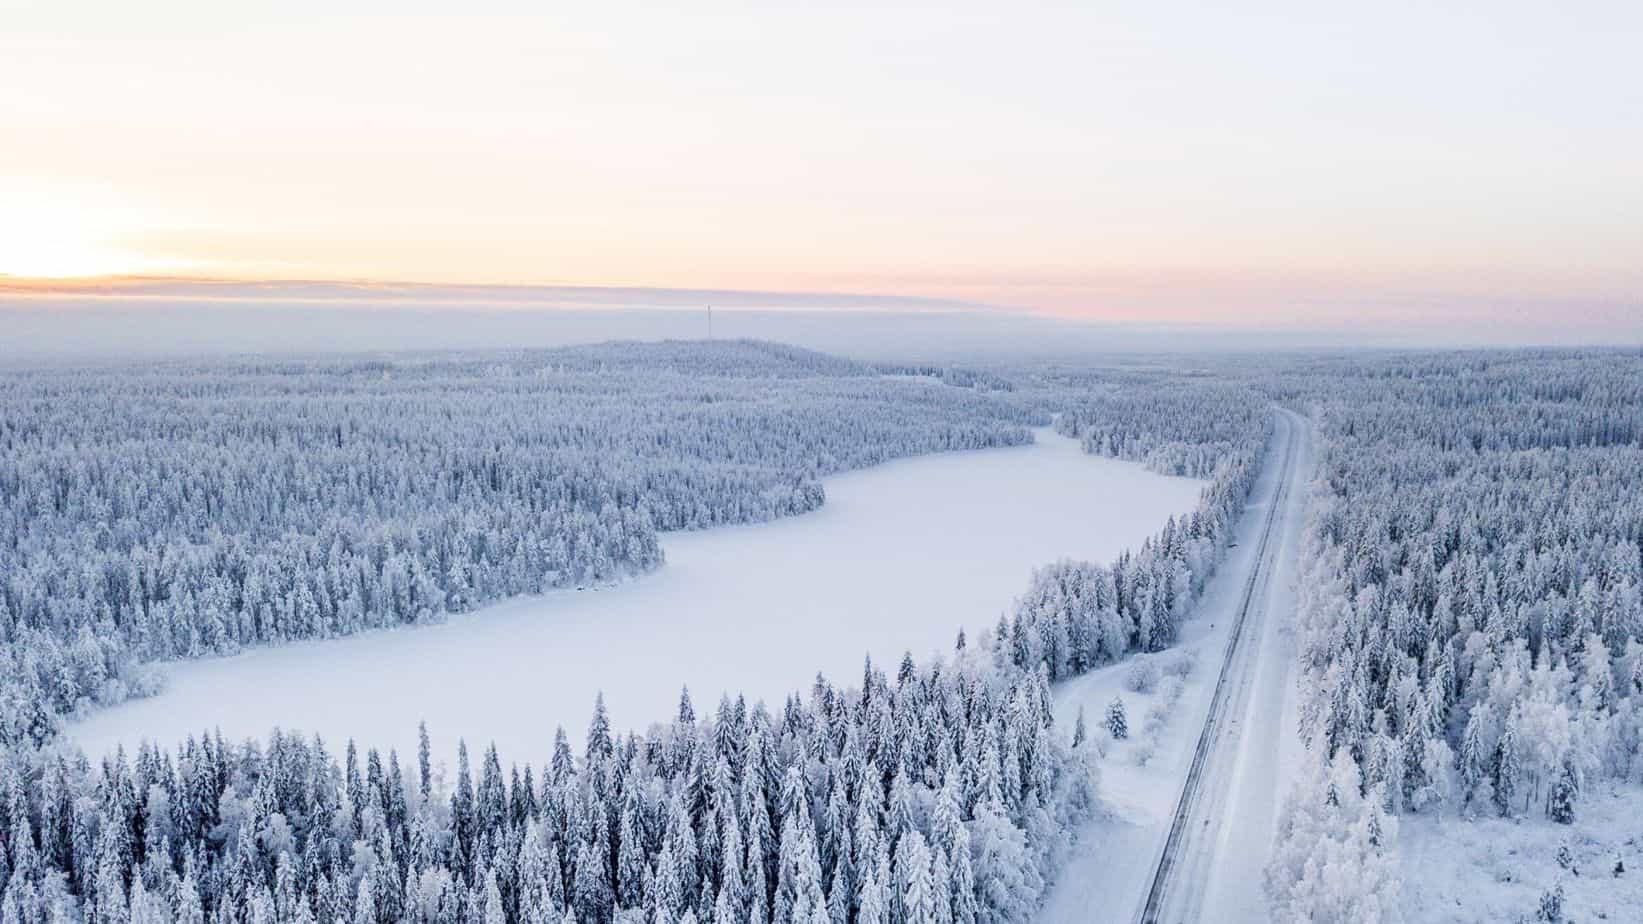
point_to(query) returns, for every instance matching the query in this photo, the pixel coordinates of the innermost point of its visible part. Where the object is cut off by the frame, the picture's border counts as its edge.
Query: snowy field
(900, 556)
(1497, 869)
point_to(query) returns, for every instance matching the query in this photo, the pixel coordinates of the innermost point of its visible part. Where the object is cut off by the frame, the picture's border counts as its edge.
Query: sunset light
(45, 236)
(1107, 162)
(976, 462)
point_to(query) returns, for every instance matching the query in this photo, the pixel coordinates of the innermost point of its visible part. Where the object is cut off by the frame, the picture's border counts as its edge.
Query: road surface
(1189, 840)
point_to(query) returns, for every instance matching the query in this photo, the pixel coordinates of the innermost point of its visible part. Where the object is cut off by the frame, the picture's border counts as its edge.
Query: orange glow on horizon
(1115, 162)
(50, 236)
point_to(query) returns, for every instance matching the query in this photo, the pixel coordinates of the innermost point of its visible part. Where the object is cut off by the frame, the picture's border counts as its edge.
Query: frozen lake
(898, 559)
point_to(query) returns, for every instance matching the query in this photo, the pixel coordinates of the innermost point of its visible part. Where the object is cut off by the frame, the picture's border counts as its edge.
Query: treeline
(177, 510)
(942, 797)
(956, 376)
(1174, 424)
(1079, 615)
(1472, 601)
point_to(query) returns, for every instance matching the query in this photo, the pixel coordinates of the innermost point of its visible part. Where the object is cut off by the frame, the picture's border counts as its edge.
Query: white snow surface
(898, 559)
(1118, 852)
(1480, 871)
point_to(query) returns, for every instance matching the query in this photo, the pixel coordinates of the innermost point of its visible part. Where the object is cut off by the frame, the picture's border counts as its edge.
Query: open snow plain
(898, 559)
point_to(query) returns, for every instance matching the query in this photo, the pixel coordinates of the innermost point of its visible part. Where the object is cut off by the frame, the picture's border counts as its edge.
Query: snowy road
(1190, 830)
(1213, 818)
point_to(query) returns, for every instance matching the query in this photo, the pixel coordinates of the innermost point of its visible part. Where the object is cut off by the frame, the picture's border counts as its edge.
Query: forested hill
(182, 509)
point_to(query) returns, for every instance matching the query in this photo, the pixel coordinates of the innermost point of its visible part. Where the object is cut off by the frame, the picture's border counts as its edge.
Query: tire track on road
(1234, 677)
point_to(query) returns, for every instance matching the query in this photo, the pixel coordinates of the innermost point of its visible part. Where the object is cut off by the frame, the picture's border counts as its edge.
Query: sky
(1346, 166)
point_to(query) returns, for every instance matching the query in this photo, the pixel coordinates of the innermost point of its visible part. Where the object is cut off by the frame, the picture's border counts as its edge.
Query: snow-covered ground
(898, 559)
(1496, 869)
(1117, 853)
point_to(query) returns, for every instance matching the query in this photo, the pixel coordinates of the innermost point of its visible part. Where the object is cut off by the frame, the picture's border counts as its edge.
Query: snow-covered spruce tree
(1550, 908)
(941, 796)
(1564, 793)
(1335, 855)
(1117, 722)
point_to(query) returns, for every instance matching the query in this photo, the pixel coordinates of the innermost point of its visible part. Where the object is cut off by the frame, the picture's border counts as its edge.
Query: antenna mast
(710, 322)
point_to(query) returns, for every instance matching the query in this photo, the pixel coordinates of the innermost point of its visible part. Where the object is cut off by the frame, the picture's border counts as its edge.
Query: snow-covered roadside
(1108, 877)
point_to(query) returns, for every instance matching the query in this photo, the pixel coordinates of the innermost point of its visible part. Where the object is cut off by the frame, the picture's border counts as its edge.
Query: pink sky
(1274, 164)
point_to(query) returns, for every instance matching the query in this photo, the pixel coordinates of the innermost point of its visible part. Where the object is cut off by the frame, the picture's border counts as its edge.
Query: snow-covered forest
(1077, 615)
(943, 795)
(1472, 605)
(180, 510)
(1175, 424)
(938, 796)
(1470, 611)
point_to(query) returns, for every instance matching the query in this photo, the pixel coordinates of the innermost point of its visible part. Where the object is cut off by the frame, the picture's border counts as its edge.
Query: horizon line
(309, 289)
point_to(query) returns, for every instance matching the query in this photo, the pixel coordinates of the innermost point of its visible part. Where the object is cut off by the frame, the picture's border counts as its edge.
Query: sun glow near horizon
(48, 234)
(1132, 161)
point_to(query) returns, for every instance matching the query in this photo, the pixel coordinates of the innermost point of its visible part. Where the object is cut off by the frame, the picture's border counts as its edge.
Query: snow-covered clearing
(1496, 869)
(898, 559)
(1118, 853)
